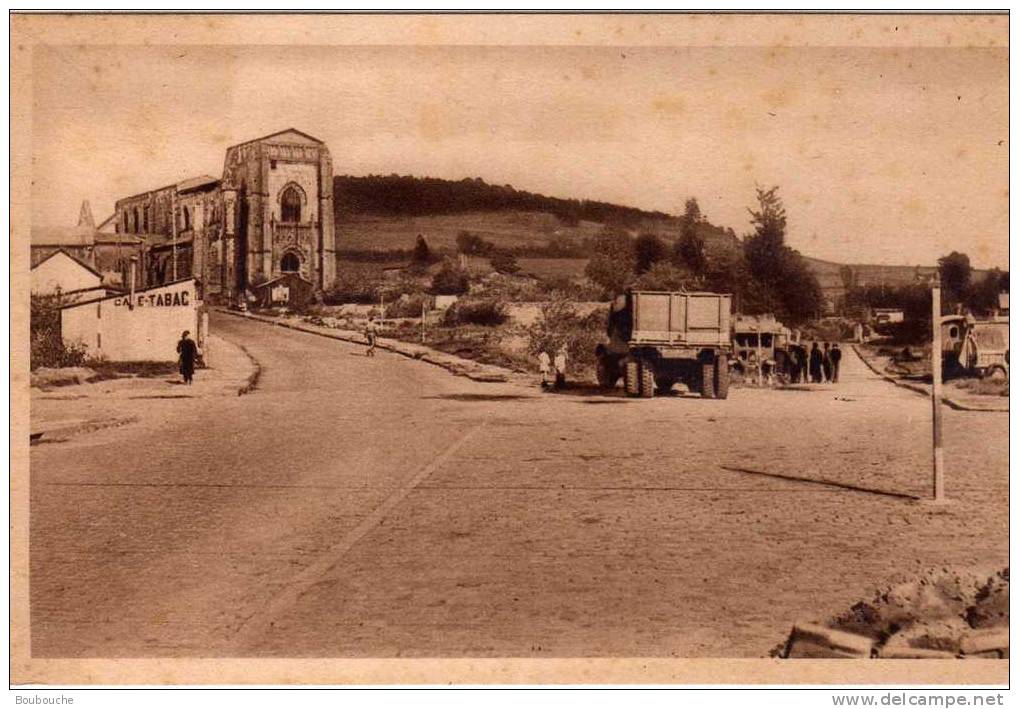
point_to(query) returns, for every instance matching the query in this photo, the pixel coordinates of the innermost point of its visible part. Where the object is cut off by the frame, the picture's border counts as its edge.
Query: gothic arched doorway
(290, 263)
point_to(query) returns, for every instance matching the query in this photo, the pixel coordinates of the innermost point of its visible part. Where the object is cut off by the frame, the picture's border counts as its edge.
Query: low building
(288, 290)
(61, 274)
(140, 327)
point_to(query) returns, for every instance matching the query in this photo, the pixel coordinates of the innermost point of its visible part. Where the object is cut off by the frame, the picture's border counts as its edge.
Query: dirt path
(357, 507)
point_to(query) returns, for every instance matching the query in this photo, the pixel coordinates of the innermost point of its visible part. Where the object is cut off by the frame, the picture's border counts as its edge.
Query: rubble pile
(941, 614)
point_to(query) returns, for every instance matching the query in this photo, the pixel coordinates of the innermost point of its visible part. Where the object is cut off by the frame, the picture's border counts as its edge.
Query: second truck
(659, 338)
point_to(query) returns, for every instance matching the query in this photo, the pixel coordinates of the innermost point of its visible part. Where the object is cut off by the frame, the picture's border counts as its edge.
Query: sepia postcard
(509, 348)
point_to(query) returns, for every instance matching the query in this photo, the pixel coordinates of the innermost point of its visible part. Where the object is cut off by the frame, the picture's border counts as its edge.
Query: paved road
(381, 507)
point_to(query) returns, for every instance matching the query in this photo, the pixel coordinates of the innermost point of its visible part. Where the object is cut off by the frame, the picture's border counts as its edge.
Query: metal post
(423, 306)
(939, 460)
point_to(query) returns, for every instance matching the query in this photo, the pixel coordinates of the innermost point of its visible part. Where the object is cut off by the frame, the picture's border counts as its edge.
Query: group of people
(818, 365)
(546, 365)
(824, 364)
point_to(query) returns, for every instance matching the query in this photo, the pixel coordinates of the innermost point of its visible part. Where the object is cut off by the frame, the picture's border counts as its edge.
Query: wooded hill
(404, 195)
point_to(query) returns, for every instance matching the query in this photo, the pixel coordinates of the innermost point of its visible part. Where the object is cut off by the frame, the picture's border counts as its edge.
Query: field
(552, 267)
(504, 229)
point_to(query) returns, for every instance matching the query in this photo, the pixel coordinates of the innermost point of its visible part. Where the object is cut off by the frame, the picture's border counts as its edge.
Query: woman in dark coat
(188, 351)
(815, 364)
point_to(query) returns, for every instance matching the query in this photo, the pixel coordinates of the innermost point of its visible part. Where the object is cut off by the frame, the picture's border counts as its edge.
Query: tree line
(764, 275)
(406, 195)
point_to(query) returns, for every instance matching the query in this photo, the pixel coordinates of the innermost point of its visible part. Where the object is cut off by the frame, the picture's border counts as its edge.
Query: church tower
(278, 203)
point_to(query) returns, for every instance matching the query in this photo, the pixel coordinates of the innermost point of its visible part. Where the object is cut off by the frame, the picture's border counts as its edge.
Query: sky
(881, 155)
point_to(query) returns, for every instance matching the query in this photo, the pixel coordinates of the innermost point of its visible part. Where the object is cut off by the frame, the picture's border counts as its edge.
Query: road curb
(922, 391)
(66, 429)
(458, 366)
(256, 373)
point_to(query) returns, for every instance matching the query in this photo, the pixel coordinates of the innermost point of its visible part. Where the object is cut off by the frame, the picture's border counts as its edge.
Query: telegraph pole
(173, 220)
(939, 458)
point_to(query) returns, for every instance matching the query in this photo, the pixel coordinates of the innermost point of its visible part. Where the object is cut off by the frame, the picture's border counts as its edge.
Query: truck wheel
(607, 374)
(995, 371)
(722, 378)
(632, 378)
(708, 381)
(647, 381)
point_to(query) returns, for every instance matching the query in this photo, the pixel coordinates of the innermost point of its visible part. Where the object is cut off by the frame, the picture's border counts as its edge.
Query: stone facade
(270, 213)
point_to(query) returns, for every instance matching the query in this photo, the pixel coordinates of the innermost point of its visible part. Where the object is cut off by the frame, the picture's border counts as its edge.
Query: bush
(505, 263)
(47, 348)
(559, 325)
(355, 283)
(409, 307)
(573, 290)
(665, 276)
(488, 312)
(450, 280)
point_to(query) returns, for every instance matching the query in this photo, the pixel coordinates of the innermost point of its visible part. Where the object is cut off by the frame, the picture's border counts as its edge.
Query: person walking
(187, 352)
(371, 334)
(836, 358)
(560, 368)
(545, 367)
(815, 364)
(826, 363)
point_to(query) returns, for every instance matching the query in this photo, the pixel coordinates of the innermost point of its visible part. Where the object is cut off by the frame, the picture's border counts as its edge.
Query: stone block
(810, 640)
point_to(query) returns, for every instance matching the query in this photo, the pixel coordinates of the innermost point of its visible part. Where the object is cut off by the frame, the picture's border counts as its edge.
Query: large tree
(647, 250)
(421, 256)
(956, 273)
(689, 250)
(611, 264)
(983, 294)
(780, 277)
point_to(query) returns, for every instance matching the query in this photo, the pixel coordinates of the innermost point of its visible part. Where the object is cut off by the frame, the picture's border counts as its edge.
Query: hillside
(405, 195)
(387, 213)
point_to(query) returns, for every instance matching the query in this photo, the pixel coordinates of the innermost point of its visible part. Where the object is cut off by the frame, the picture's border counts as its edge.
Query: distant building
(77, 242)
(108, 254)
(271, 213)
(61, 273)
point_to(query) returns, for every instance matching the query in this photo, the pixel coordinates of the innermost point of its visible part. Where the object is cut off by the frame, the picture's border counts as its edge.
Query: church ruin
(271, 213)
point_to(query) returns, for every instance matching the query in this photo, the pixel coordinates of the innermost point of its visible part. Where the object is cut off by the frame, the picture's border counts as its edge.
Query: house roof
(77, 261)
(282, 277)
(70, 236)
(161, 242)
(110, 238)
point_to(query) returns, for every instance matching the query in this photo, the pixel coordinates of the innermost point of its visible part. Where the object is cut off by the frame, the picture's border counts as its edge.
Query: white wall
(149, 331)
(60, 270)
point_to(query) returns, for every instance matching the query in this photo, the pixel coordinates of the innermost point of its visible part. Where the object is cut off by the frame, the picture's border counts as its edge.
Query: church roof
(279, 133)
(195, 183)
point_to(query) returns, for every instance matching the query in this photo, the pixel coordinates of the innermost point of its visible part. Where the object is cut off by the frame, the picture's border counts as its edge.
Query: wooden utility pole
(424, 300)
(173, 220)
(939, 459)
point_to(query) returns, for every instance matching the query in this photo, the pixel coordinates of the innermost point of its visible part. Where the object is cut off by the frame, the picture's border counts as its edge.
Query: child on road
(545, 367)
(560, 368)
(371, 333)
